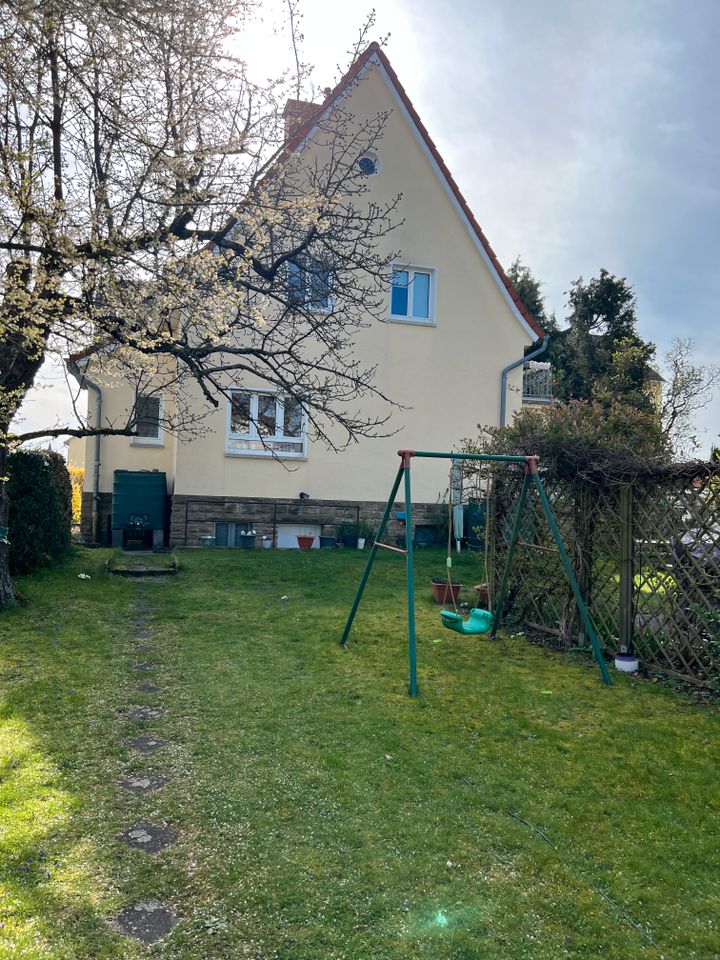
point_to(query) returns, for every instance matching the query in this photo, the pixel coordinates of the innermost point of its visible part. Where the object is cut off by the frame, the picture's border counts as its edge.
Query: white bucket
(626, 664)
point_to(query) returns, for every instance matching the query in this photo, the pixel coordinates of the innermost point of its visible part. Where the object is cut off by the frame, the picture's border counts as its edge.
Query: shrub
(40, 509)
(580, 437)
(77, 479)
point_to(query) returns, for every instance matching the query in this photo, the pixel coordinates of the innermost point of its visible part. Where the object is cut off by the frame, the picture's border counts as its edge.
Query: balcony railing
(537, 382)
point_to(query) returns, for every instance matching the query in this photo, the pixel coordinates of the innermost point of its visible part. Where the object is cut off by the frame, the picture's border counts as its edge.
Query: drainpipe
(87, 382)
(511, 366)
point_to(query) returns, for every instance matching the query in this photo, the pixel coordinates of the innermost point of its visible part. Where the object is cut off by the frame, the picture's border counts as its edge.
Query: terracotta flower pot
(305, 542)
(443, 592)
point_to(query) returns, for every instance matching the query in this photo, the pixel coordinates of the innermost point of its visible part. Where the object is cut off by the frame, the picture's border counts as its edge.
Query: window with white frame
(148, 420)
(265, 424)
(412, 295)
(310, 284)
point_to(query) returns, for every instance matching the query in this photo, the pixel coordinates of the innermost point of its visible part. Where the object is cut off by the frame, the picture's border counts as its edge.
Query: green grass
(517, 809)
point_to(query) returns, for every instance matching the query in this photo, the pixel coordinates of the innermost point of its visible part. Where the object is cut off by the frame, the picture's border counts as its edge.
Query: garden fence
(646, 553)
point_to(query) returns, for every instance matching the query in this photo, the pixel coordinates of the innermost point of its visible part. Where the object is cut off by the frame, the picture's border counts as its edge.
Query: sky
(583, 133)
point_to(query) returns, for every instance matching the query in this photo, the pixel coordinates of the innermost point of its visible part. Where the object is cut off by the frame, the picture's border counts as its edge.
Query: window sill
(413, 321)
(146, 442)
(265, 454)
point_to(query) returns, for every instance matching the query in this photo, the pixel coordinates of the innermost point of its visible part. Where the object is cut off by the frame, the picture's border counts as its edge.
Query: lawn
(516, 809)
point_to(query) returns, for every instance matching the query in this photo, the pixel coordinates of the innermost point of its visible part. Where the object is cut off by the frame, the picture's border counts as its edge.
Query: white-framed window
(310, 284)
(149, 411)
(412, 295)
(264, 424)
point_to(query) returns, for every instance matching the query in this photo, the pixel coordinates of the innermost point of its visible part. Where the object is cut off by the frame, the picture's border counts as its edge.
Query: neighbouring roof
(302, 131)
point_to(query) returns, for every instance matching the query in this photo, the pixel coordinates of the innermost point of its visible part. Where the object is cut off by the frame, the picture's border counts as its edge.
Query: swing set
(479, 621)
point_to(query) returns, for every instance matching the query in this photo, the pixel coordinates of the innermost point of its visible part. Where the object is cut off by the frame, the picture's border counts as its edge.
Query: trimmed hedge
(40, 496)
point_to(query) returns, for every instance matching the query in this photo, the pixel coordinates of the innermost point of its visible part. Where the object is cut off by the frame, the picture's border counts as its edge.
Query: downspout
(511, 366)
(85, 381)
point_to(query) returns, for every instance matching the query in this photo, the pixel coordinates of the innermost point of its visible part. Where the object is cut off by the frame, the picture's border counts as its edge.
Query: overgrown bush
(580, 438)
(40, 509)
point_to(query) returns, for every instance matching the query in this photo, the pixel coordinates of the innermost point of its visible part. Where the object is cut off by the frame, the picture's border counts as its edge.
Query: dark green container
(139, 500)
(475, 525)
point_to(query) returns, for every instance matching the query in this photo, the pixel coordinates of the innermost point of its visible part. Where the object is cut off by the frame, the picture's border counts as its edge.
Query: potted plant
(444, 592)
(349, 536)
(305, 542)
(365, 532)
(327, 537)
(245, 539)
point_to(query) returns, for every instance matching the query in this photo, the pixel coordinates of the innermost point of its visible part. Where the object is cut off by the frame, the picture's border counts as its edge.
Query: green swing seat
(479, 621)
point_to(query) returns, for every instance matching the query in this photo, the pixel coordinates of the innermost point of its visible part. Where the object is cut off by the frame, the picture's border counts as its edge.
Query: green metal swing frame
(531, 478)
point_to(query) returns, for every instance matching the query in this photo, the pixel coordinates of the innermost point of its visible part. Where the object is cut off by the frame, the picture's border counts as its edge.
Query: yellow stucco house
(451, 353)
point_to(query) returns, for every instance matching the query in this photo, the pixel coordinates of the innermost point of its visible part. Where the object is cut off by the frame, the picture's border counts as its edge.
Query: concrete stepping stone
(149, 837)
(146, 648)
(142, 782)
(147, 688)
(145, 713)
(147, 744)
(142, 634)
(144, 665)
(143, 607)
(147, 921)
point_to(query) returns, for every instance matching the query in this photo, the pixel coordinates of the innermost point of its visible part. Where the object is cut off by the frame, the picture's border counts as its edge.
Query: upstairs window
(310, 284)
(411, 295)
(265, 424)
(148, 420)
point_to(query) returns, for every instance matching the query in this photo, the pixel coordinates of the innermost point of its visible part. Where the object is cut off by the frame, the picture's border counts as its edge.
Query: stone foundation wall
(193, 517)
(104, 517)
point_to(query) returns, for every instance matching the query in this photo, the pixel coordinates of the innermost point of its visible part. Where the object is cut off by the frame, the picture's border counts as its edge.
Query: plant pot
(626, 663)
(444, 592)
(361, 543)
(350, 540)
(305, 542)
(246, 542)
(266, 544)
(327, 543)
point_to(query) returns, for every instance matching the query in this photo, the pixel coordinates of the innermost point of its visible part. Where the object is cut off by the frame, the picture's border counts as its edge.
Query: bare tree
(151, 209)
(688, 389)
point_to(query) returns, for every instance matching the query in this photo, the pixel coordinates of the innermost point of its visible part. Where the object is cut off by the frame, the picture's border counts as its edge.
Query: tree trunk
(7, 591)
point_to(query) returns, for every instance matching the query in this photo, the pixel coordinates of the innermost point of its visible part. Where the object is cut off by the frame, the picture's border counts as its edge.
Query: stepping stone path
(146, 744)
(142, 782)
(150, 837)
(148, 921)
(145, 713)
(144, 665)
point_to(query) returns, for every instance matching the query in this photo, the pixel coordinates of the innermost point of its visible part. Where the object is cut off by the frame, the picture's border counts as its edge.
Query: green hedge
(40, 509)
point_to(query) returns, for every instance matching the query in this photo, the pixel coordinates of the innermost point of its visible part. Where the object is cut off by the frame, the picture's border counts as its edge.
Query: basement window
(264, 424)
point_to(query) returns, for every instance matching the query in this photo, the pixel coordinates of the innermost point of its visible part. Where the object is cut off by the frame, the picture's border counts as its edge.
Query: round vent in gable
(369, 163)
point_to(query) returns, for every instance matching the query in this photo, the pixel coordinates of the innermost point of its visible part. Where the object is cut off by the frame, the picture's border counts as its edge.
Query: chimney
(296, 113)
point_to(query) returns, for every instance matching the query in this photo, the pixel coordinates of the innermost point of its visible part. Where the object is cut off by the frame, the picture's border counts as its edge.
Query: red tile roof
(301, 133)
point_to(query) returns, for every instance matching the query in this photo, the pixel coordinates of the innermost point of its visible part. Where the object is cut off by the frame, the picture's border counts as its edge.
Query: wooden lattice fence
(646, 552)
